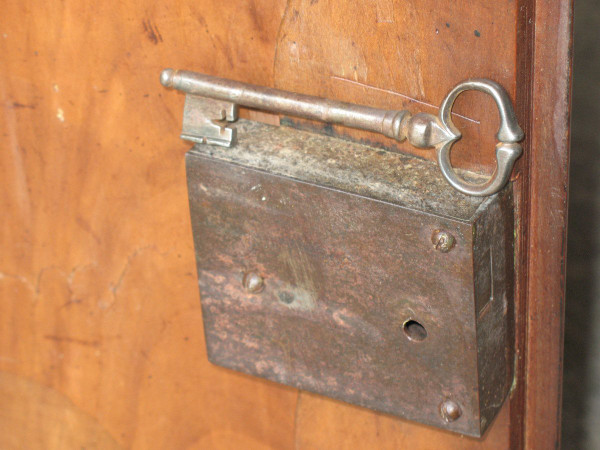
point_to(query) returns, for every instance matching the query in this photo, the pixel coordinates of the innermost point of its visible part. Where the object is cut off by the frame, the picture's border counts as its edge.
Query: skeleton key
(212, 103)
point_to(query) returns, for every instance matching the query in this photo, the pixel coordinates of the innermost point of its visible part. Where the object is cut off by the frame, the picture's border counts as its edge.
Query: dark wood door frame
(544, 103)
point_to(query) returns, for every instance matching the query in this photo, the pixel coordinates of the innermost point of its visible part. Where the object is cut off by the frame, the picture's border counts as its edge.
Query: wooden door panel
(101, 316)
(399, 54)
(101, 339)
(324, 423)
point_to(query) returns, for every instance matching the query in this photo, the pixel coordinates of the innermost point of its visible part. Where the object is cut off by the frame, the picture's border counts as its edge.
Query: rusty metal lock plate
(355, 273)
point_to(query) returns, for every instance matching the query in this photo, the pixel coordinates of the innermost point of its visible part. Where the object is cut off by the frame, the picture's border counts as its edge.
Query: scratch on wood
(387, 91)
(85, 226)
(20, 278)
(72, 340)
(114, 288)
(20, 105)
(280, 37)
(41, 273)
(76, 269)
(35, 286)
(19, 180)
(152, 31)
(70, 302)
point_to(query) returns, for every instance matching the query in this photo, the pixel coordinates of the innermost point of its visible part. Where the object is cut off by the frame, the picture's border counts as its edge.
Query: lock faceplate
(355, 273)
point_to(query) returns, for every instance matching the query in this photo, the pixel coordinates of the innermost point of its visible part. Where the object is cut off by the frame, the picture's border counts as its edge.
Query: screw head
(443, 241)
(450, 411)
(253, 282)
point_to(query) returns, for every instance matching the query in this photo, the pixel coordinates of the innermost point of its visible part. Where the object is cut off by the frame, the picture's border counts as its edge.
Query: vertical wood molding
(547, 221)
(524, 110)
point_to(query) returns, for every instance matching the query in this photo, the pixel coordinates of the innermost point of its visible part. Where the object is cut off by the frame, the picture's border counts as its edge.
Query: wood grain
(408, 59)
(549, 187)
(101, 321)
(543, 107)
(101, 340)
(323, 423)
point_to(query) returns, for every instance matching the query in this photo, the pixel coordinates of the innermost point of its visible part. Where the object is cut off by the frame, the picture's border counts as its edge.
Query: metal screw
(443, 241)
(253, 282)
(450, 410)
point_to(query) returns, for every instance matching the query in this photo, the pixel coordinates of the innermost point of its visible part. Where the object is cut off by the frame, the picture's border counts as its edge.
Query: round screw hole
(414, 330)
(286, 297)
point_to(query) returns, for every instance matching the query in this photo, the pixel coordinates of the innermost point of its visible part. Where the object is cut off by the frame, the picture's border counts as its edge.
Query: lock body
(355, 273)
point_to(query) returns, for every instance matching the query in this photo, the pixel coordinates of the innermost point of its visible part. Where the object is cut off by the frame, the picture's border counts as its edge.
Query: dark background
(581, 391)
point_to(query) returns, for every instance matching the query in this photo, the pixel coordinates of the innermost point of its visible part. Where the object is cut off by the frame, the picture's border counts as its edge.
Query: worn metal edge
(351, 167)
(467, 221)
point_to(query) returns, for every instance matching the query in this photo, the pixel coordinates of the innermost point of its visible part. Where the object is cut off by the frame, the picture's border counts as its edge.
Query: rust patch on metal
(354, 302)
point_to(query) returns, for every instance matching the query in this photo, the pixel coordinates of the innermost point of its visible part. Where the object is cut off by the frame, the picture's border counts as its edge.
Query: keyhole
(414, 330)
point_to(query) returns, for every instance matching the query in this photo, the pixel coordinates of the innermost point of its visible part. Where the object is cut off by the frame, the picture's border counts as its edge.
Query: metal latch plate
(330, 266)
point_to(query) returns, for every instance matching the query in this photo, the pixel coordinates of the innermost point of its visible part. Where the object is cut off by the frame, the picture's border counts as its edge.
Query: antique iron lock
(365, 275)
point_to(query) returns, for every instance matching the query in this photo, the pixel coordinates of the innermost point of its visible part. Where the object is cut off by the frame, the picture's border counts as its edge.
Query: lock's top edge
(396, 178)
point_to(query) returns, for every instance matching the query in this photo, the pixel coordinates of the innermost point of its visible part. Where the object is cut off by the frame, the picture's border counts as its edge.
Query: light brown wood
(100, 308)
(403, 55)
(101, 341)
(323, 423)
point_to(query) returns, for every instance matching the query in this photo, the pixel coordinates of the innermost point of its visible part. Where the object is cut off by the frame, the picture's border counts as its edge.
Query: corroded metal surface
(318, 270)
(347, 166)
